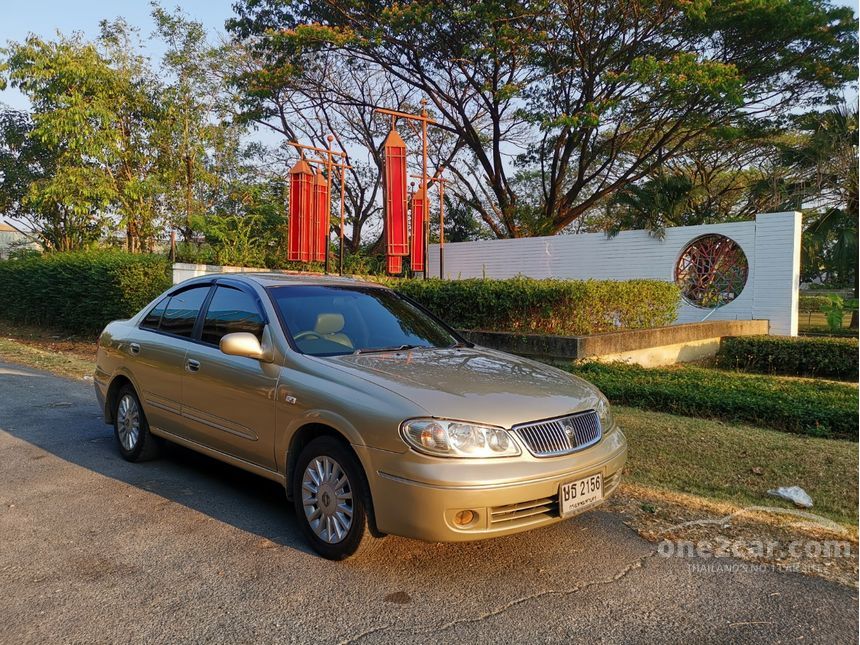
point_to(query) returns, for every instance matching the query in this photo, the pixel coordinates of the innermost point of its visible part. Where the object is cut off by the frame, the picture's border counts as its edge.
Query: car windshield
(334, 320)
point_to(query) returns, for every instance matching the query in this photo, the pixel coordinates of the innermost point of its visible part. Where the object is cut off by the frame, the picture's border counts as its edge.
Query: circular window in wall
(712, 271)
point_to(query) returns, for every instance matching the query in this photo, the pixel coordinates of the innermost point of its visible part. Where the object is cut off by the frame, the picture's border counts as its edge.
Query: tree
(824, 174)
(94, 111)
(27, 166)
(591, 96)
(199, 145)
(727, 175)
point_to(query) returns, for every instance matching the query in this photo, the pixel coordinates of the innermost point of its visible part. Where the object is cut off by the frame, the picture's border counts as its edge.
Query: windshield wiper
(376, 350)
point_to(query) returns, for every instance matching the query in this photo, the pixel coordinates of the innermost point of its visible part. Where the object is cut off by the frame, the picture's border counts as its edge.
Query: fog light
(463, 518)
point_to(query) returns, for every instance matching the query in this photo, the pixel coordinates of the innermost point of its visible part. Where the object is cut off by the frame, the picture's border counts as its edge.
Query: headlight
(445, 438)
(604, 413)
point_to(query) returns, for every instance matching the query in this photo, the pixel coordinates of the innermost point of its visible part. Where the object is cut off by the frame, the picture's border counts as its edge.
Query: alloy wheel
(327, 499)
(128, 422)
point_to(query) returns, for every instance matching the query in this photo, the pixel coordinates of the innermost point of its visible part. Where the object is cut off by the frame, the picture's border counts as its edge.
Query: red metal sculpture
(321, 218)
(300, 210)
(396, 231)
(419, 213)
(394, 264)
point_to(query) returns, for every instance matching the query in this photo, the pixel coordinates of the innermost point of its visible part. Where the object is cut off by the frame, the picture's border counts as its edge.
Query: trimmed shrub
(561, 307)
(815, 408)
(80, 292)
(812, 304)
(803, 356)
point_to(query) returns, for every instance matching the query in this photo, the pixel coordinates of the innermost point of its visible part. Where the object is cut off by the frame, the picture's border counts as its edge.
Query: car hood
(474, 384)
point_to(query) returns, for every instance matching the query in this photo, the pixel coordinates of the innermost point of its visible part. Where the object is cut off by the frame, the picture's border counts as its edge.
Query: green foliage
(28, 170)
(200, 147)
(366, 264)
(824, 171)
(80, 292)
(833, 311)
(94, 109)
(816, 408)
(563, 307)
(111, 144)
(242, 240)
(830, 357)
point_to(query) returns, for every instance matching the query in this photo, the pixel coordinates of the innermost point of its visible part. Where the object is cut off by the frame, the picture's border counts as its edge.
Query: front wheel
(328, 493)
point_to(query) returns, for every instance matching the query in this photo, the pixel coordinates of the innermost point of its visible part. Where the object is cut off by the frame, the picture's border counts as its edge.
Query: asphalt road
(94, 549)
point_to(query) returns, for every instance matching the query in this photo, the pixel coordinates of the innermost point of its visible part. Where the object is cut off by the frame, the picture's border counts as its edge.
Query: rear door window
(154, 316)
(182, 311)
(230, 311)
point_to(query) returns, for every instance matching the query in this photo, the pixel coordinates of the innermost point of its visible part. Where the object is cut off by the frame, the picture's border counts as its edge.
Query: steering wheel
(310, 335)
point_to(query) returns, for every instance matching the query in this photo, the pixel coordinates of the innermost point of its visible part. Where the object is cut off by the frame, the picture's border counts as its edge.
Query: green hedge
(80, 292)
(815, 408)
(562, 307)
(805, 356)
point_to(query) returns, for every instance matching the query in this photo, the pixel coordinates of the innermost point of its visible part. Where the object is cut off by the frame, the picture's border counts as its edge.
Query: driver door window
(230, 311)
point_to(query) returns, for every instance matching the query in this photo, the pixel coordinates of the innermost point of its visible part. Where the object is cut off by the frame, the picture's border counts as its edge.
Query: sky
(18, 18)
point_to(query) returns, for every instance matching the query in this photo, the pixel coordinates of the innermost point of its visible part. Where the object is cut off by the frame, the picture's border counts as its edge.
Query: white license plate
(576, 496)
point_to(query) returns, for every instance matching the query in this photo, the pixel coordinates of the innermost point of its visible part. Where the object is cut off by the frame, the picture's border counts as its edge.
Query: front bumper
(418, 496)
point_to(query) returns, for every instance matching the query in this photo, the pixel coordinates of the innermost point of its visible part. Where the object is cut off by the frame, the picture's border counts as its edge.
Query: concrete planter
(647, 347)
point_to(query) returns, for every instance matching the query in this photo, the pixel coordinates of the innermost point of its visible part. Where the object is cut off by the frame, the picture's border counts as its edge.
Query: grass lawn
(722, 461)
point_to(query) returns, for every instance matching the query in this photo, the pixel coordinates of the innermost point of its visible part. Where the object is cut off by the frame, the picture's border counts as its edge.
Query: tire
(318, 513)
(131, 429)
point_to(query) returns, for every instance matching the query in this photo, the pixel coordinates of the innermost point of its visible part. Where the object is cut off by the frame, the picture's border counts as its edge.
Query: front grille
(561, 436)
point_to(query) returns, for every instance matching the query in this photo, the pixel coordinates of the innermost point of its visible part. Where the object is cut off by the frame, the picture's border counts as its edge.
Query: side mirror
(242, 343)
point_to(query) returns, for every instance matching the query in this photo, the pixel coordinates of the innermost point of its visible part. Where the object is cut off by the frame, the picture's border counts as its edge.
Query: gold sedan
(375, 416)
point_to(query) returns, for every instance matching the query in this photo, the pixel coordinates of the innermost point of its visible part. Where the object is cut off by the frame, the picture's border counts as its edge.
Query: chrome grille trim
(561, 436)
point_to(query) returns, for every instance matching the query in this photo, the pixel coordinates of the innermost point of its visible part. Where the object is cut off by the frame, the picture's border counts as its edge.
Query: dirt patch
(51, 340)
(767, 537)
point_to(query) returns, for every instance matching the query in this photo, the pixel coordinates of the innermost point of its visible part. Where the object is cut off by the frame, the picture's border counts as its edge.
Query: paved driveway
(186, 549)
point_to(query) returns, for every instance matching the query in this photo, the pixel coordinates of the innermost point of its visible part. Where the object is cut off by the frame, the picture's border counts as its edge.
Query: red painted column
(419, 213)
(321, 219)
(396, 223)
(300, 212)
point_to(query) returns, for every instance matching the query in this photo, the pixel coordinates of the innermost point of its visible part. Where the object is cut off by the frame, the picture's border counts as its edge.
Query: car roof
(271, 279)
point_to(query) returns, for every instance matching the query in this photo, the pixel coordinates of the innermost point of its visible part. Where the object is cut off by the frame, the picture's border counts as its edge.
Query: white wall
(182, 271)
(771, 244)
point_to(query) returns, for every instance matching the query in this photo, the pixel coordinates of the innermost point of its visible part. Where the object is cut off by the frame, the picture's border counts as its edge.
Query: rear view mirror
(242, 343)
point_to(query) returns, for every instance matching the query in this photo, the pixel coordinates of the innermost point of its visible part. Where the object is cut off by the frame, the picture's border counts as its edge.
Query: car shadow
(61, 417)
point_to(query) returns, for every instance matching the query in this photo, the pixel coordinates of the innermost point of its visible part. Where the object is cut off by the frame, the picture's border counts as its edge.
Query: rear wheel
(135, 441)
(329, 497)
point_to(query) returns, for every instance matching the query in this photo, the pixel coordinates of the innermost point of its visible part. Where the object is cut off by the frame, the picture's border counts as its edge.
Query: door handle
(191, 365)
(134, 348)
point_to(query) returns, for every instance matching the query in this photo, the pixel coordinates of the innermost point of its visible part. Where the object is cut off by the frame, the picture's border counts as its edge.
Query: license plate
(575, 496)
